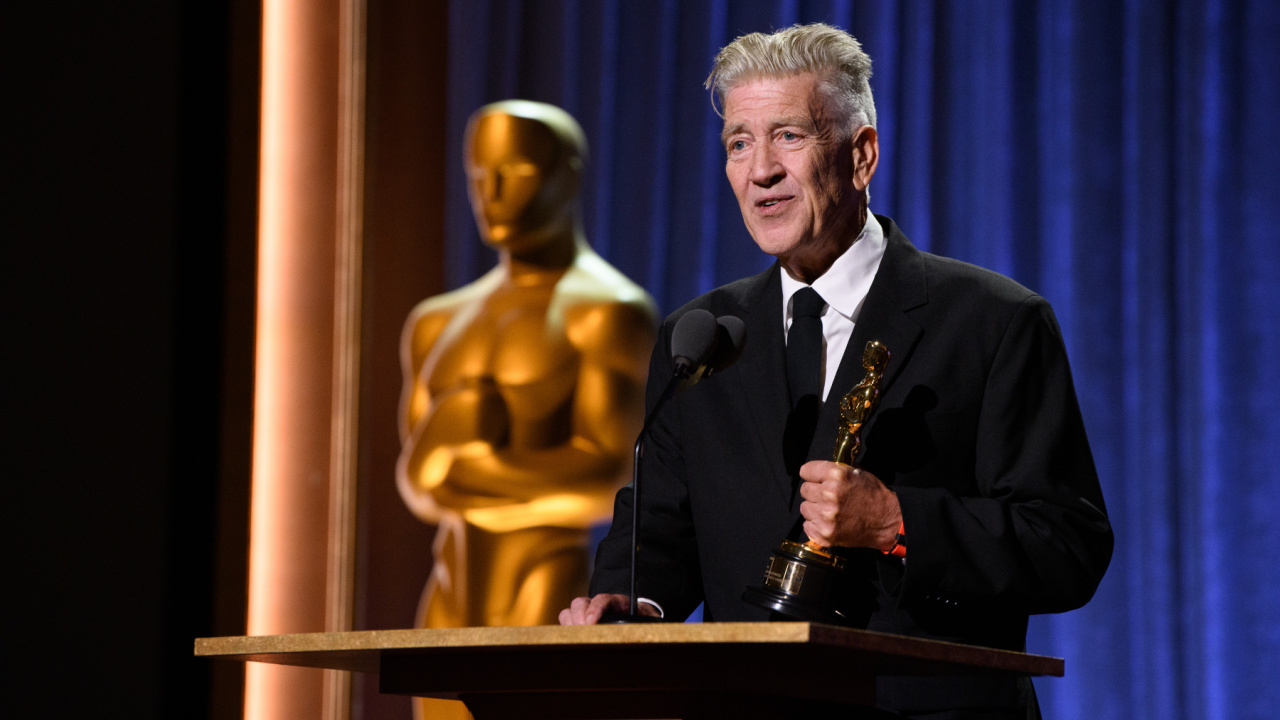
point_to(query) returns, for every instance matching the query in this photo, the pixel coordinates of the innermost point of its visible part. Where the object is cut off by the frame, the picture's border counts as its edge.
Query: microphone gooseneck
(701, 345)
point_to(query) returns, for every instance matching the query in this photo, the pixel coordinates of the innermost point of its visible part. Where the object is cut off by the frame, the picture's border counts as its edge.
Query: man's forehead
(774, 101)
(801, 90)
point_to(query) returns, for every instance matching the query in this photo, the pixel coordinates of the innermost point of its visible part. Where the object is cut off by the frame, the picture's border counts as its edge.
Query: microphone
(731, 338)
(701, 345)
(693, 341)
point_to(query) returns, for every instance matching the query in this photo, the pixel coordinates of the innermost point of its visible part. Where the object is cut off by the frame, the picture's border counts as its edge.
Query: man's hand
(588, 611)
(847, 507)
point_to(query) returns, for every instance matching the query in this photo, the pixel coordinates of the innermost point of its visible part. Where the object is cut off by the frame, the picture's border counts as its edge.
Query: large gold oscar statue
(523, 390)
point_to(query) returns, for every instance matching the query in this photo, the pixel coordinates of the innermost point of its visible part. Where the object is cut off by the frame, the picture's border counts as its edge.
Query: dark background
(130, 180)
(130, 170)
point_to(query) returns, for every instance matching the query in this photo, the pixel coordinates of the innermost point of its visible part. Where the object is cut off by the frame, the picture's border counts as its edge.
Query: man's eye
(738, 145)
(788, 135)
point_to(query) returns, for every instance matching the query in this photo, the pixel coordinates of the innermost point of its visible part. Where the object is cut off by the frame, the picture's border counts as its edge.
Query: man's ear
(866, 155)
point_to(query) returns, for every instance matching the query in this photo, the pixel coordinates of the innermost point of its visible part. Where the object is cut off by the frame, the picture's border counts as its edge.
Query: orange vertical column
(299, 305)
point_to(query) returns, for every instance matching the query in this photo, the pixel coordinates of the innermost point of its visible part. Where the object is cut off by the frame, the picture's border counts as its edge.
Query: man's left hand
(847, 507)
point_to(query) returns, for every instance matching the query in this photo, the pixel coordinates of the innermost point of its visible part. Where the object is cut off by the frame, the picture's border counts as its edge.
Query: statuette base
(801, 582)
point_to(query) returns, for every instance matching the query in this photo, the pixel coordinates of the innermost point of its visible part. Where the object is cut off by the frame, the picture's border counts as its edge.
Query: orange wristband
(899, 547)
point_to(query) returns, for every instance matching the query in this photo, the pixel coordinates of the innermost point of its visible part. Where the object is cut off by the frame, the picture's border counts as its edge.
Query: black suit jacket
(978, 432)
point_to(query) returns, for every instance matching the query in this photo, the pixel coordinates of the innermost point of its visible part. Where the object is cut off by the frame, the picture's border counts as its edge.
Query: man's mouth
(771, 201)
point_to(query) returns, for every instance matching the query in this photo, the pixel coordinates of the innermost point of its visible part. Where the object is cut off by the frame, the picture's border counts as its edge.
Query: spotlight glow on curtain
(1117, 157)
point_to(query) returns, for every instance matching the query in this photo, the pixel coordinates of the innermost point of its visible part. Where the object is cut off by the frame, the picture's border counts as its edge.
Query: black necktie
(804, 347)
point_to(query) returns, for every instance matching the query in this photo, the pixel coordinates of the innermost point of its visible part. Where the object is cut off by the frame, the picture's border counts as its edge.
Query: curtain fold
(1116, 157)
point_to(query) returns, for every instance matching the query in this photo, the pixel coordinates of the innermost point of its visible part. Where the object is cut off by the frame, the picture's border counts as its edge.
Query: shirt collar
(845, 284)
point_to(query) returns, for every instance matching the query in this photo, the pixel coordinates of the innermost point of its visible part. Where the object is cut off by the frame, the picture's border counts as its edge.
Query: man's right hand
(588, 611)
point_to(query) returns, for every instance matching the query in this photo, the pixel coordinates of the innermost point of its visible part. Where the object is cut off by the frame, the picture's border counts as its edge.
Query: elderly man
(976, 459)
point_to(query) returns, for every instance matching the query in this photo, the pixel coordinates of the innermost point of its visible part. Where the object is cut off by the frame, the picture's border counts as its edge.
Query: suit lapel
(899, 286)
(763, 370)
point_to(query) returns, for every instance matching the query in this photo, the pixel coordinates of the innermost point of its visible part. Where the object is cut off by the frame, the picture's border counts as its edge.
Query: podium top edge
(414, 639)
(295, 648)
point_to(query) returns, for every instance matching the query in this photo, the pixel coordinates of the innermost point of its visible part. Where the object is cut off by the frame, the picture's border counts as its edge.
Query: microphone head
(692, 340)
(731, 338)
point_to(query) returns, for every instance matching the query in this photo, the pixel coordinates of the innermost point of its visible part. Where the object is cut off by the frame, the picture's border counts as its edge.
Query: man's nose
(766, 170)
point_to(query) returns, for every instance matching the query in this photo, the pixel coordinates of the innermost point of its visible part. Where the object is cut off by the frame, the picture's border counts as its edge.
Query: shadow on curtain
(1116, 157)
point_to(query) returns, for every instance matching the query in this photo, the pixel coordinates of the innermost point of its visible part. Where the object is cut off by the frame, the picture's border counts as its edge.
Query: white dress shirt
(844, 287)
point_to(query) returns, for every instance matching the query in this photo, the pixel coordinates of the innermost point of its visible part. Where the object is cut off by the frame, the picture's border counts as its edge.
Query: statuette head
(524, 162)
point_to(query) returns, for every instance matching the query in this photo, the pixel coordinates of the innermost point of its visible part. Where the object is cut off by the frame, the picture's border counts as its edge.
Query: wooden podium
(711, 670)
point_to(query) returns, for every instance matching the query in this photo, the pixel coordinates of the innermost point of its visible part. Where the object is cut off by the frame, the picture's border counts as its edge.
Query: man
(977, 454)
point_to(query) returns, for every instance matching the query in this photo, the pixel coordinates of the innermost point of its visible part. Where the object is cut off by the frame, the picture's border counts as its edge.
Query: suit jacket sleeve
(1034, 538)
(669, 571)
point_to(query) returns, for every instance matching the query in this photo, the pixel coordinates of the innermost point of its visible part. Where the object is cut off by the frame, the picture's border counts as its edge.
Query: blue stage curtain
(1117, 157)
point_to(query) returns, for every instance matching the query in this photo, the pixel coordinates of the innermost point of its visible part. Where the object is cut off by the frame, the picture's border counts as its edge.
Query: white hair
(830, 53)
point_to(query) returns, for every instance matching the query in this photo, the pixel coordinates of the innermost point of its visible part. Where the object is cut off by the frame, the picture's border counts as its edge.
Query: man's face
(792, 174)
(510, 161)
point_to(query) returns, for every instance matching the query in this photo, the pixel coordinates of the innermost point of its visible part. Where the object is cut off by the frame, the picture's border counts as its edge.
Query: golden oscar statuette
(804, 580)
(523, 390)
